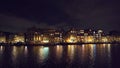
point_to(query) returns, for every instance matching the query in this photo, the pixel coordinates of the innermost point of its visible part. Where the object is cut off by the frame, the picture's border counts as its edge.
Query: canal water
(69, 56)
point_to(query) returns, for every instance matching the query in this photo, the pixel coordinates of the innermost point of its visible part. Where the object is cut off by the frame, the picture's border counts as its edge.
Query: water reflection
(59, 52)
(82, 56)
(109, 55)
(92, 55)
(41, 53)
(25, 51)
(16, 54)
(70, 53)
(2, 48)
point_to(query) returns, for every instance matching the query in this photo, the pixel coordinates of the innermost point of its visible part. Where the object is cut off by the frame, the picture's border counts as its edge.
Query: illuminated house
(48, 35)
(45, 39)
(114, 36)
(74, 35)
(32, 36)
(77, 35)
(105, 39)
(88, 39)
(99, 36)
(18, 37)
(71, 39)
(80, 35)
(37, 37)
(2, 37)
(58, 36)
(52, 36)
(88, 36)
(71, 36)
(40, 36)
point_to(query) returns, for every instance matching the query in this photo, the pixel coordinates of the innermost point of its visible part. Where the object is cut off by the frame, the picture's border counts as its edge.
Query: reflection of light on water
(43, 53)
(71, 51)
(83, 52)
(88, 54)
(104, 54)
(104, 45)
(26, 50)
(92, 54)
(1, 49)
(109, 55)
(109, 48)
(91, 51)
(14, 51)
(59, 50)
(14, 54)
(83, 45)
(94, 47)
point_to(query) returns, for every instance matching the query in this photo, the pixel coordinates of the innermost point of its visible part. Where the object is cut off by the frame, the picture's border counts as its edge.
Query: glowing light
(37, 38)
(2, 39)
(59, 51)
(45, 40)
(104, 39)
(43, 53)
(25, 50)
(14, 52)
(72, 39)
(18, 39)
(2, 49)
(100, 31)
(89, 39)
(71, 52)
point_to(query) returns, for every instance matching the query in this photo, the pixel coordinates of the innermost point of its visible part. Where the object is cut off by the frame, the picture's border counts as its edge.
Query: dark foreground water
(69, 56)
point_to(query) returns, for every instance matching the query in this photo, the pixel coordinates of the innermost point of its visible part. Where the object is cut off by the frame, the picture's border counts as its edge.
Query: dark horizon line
(57, 29)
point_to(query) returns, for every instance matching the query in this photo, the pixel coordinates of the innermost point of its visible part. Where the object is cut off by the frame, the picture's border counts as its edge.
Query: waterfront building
(16, 38)
(114, 36)
(41, 36)
(19, 38)
(58, 36)
(71, 36)
(32, 36)
(2, 37)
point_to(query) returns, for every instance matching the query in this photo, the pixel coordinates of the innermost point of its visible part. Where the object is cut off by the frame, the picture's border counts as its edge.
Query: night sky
(18, 15)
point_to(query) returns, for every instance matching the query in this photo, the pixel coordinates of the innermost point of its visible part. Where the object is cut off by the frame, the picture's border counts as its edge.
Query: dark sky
(17, 15)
